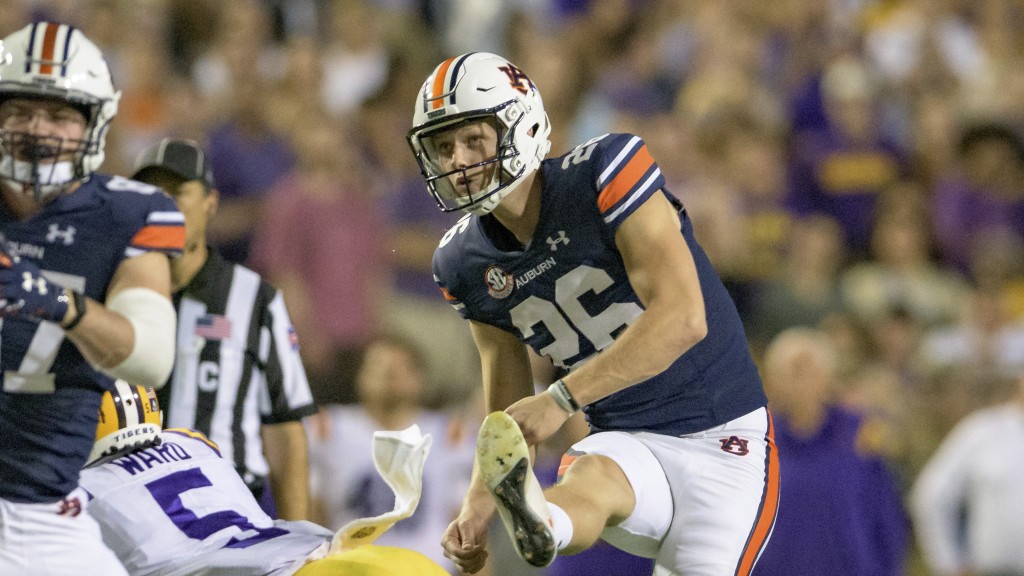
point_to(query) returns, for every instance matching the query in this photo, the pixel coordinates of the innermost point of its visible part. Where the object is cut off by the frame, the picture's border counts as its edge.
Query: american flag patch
(154, 406)
(293, 338)
(213, 327)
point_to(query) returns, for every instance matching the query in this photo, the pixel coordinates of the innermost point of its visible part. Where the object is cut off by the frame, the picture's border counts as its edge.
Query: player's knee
(600, 482)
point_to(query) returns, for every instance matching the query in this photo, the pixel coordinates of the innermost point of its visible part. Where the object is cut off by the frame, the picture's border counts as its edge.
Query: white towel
(399, 458)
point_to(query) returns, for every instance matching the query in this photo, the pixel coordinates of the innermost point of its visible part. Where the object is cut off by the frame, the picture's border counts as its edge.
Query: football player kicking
(572, 256)
(169, 504)
(84, 291)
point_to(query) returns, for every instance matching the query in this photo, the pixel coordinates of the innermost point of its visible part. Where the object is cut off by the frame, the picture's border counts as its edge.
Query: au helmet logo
(517, 78)
(499, 282)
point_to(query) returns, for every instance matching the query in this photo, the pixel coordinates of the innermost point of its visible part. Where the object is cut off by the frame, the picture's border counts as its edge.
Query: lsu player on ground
(169, 504)
(84, 291)
(572, 256)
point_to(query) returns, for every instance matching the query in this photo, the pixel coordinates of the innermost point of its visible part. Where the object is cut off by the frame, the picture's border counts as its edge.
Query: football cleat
(503, 459)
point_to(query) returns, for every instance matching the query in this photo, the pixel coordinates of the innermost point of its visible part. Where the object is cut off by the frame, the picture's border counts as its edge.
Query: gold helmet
(130, 419)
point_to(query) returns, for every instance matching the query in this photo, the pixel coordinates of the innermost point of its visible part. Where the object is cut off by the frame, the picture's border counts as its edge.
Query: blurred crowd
(852, 166)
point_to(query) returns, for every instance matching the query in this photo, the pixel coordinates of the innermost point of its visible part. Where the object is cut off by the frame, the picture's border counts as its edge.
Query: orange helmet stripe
(49, 46)
(437, 90)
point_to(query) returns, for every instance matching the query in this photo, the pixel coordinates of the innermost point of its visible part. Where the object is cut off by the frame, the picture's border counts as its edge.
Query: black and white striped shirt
(237, 365)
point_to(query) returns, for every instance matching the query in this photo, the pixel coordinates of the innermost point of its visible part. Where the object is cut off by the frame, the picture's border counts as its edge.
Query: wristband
(560, 392)
(79, 300)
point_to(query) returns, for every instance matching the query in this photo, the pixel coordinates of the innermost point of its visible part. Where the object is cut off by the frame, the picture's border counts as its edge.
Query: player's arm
(507, 377)
(663, 274)
(285, 447)
(287, 388)
(132, 334)
(505, 366)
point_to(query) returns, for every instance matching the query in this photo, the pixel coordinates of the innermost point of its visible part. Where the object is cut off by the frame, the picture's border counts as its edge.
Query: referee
(237, 374)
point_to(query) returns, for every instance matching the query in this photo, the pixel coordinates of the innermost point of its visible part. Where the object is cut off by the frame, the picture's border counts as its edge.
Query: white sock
(561, 525)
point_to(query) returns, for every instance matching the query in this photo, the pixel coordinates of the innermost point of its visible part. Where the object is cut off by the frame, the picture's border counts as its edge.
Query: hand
(538, 416)
(465, 542)
(25, 293)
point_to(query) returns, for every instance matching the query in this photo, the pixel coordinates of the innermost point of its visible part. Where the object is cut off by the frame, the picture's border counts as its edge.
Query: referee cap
(182, 158)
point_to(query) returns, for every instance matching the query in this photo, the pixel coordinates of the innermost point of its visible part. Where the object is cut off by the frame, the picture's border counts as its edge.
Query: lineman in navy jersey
(84, 291)
(238, 377)
(572, 256)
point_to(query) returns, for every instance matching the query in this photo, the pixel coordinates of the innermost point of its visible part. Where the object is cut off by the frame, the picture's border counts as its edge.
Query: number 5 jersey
(179, 509)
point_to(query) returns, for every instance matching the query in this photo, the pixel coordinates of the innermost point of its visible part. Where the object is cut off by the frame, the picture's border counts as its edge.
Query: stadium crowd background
(853, 165)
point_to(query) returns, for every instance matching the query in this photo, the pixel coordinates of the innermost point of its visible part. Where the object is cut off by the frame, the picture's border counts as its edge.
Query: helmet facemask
(41, 165)
(54, 62)
(451, 189)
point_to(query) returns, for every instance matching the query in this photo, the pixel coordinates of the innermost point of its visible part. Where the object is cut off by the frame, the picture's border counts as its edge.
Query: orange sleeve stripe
(447, 296)
(160, 237)
(625, 180)
(49, 44)
(766, 519)
(438, 88)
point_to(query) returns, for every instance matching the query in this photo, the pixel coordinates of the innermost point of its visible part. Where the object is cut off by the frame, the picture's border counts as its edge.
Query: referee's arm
(286, 450)
(284, 437)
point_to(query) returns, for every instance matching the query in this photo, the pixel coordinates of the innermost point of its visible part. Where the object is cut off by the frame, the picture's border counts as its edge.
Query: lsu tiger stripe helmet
(129, 419)
(470, 88)
(49, 60)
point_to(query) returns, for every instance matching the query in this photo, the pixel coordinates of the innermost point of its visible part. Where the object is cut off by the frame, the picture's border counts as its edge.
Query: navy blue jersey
(567, 294)
(51, 395)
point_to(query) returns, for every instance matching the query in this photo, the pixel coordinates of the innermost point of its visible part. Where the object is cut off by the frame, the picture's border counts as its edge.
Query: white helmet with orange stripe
(48, 60)
(471, 88)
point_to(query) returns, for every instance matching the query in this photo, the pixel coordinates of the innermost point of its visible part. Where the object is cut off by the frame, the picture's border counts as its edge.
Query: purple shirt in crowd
(840, 512)
(962, 215)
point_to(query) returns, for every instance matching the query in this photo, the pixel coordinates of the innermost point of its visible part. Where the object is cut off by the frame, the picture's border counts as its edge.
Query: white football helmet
(469, 88)
(51, 60)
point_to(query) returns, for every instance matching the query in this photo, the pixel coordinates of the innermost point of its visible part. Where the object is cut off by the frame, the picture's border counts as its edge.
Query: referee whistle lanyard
(399, 458)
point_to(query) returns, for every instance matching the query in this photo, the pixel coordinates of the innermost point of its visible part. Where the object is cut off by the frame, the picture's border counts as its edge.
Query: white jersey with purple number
(180, 509)
(567, 295)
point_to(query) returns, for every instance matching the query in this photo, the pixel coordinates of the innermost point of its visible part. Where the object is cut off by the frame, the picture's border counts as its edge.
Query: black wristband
(79, 300)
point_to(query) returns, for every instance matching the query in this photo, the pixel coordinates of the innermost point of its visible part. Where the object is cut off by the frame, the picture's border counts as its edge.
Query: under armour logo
(554, 242)
(735, 445)
(67, 235)
(30, 282)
